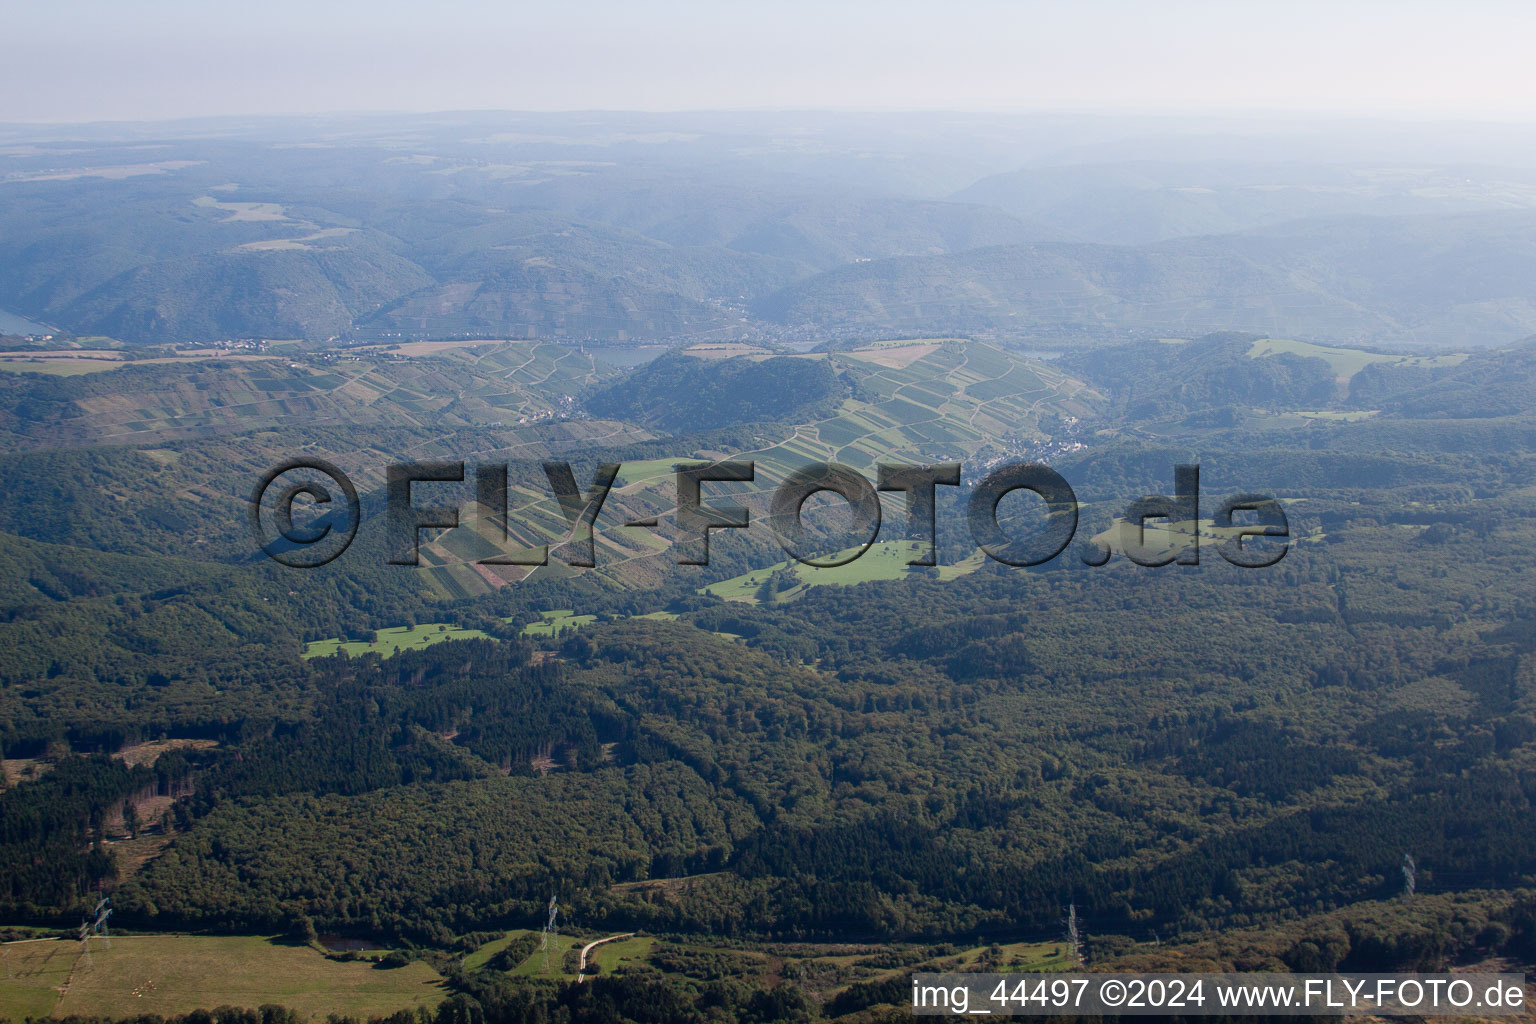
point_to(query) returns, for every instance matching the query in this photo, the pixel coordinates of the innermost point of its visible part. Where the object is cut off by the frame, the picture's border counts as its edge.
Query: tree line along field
(1347, 362)
(393, 640)
(787, 580)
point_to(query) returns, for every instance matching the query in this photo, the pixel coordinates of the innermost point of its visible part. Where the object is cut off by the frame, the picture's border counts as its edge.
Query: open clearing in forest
(175, 974)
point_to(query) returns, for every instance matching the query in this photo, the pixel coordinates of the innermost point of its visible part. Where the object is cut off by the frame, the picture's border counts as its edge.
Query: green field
(175, 974)
(480, 957)
(646, 471)
(1161, 537)
(611, 955)
(1346, 362)
(563, 619)
(556, 622)
(394, 640)
(1015, 956)
(608, 955)
(533, 966)
(886, 560)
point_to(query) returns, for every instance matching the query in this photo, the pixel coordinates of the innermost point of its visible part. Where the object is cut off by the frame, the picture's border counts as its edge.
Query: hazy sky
(148, 59)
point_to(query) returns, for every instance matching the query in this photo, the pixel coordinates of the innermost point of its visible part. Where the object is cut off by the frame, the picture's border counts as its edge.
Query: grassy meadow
(174, 974)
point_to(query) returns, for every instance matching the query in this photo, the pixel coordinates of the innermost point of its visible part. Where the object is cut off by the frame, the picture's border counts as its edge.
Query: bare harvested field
(724, 350)
(897, 358)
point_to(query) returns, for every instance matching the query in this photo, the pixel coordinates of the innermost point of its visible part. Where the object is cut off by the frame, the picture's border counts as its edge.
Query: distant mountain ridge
(494, 226)
(1135, 202)
(1467, 279)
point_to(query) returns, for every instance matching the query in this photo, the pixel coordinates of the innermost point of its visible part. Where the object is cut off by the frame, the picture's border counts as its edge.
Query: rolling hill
(1445, 281)
(924, 400)
(500, 226)
(452, 384)
(1135, 202)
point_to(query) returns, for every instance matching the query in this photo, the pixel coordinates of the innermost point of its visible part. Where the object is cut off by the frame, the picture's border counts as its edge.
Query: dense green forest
(680, 394)
(1213, 764)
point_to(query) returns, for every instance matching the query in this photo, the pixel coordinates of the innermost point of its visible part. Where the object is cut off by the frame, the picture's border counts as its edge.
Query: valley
(360, 790)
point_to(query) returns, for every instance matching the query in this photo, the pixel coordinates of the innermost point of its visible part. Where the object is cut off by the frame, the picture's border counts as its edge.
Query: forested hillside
(682, 393)
(776, 789)
(917, 758)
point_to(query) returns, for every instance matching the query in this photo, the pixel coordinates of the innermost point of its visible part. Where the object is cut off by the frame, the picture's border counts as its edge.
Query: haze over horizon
(714, 513)
(87, 60)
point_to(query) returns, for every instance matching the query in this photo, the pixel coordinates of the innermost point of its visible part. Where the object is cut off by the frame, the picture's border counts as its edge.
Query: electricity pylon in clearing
(1074, 936)
(549, 930)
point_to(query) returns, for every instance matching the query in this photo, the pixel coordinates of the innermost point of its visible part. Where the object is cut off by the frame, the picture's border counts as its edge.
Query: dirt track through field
(582, 964)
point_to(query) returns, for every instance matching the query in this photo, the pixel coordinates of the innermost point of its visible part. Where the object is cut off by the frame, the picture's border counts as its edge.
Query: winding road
(582, 965)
